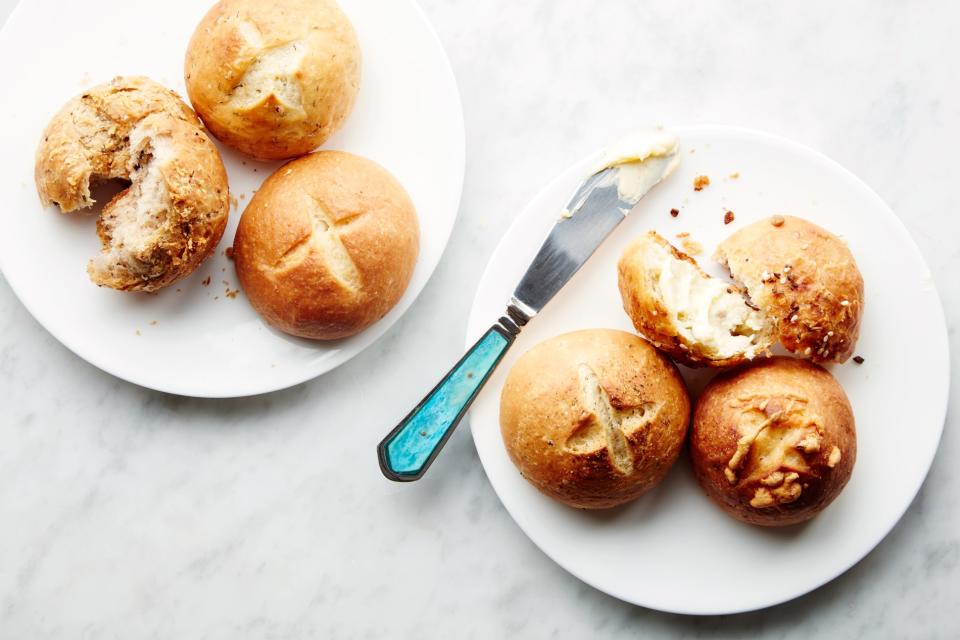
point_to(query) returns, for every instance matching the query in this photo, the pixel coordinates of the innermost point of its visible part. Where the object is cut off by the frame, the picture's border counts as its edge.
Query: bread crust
(307, 224)
(649, 315)
(303, 98)
(86, 140)
(550, 426)
(805, 279)
(108, 132)
(773, 443)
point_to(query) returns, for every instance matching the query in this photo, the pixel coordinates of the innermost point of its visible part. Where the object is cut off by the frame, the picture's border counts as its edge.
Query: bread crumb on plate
(692, 247)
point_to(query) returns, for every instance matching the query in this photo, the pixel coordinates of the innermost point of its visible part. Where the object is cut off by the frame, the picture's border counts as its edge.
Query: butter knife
(601, 202)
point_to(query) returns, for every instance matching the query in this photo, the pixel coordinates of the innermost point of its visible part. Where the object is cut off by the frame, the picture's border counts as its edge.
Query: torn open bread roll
(774, 442)
(594, 418)
(171, 217)
(327, 246)
(273, 79)
(697, 319)
(804, 279)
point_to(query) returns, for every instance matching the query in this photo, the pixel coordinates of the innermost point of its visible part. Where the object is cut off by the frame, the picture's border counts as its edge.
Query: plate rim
(245, 389)
(943, 390)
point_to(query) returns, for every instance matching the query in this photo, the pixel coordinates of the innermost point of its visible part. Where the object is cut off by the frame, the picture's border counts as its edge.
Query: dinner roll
(273, 79)
(699, 320)
(594, 418)
(773, 443)
(327, 245)
(172, 215)
(804, 279)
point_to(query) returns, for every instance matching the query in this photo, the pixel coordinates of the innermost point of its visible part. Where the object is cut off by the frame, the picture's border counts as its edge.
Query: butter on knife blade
(629, 155)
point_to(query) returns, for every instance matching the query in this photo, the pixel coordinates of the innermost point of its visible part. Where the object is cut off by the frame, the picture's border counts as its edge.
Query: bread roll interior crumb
(134, 220)
(705, 311)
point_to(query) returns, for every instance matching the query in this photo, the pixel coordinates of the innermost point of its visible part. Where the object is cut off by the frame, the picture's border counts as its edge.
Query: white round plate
(194, 339)
(673, 549)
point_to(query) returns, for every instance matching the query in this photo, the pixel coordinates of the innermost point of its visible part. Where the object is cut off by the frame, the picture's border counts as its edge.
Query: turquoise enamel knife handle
(408, 450)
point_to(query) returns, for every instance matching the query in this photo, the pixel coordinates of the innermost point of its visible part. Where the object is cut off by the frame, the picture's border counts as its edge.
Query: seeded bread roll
(172, 216)
(273, 79)
(594, 418)
(327, 246)
(804, 279)
(699, 320)
(774, 442)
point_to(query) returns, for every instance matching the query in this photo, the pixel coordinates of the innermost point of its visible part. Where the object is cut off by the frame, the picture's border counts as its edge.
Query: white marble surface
(126, 513)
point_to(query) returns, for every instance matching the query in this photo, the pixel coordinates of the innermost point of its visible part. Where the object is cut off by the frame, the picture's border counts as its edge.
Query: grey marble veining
(126, 513)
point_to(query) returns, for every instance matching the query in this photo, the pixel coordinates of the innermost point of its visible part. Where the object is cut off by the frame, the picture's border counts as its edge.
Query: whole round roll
(594, 418)
(327, 246)
(773, 443)
(273, 79)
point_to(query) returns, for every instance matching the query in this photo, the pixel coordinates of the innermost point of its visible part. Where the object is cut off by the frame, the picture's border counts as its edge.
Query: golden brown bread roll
(273, 79)
(698, 320)
(172, 216)
(773, 442)
(594, 418)
(327, 245)
(804, 279)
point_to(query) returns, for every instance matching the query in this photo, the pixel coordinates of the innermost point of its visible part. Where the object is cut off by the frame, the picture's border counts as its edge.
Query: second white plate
(198, 337)
(673, 549)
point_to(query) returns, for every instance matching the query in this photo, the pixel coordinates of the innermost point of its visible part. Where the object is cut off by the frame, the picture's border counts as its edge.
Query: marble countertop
(128, 513)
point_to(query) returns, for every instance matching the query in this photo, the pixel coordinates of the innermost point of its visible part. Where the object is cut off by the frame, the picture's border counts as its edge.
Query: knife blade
(593, 212)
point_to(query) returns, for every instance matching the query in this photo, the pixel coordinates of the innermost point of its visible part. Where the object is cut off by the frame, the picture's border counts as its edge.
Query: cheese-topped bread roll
(774, 442)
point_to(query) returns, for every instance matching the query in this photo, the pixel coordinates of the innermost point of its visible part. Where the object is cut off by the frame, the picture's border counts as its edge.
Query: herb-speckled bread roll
(594, 418)
(273, 79)
(172, 216)
(804, 279)
(774, 442)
